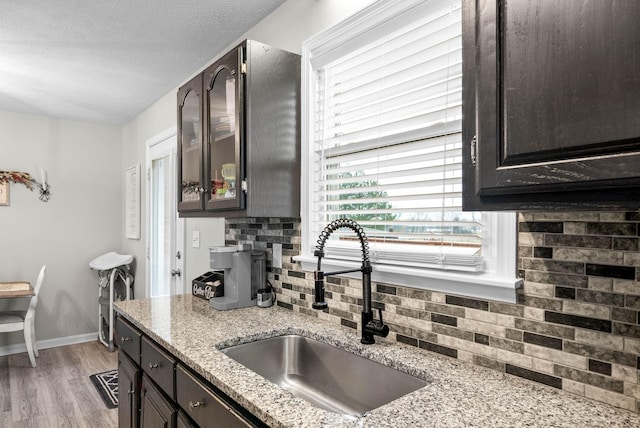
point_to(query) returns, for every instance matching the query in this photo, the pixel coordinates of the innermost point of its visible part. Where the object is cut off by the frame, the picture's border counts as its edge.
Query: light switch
(195, 239)
(277, 256)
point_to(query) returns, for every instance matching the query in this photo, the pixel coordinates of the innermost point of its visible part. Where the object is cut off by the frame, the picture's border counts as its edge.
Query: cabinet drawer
(128, 339)
(158, 365)
(203, 405)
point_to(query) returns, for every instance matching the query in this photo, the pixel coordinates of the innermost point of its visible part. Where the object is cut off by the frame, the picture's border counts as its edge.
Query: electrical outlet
(195, 239)
(277, 256)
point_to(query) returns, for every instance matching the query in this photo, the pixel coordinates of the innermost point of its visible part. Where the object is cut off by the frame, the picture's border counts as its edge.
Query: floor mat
(107, 385)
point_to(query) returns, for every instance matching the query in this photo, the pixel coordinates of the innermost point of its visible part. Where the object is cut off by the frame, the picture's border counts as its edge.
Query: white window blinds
(386, 141)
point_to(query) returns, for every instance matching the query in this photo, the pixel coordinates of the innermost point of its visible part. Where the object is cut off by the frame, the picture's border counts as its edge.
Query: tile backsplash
(576, 325)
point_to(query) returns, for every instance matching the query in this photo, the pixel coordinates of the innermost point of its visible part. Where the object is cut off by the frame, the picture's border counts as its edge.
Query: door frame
(170, 133)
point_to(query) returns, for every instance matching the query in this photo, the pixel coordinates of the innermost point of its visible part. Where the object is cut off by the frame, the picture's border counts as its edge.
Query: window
(382, 127)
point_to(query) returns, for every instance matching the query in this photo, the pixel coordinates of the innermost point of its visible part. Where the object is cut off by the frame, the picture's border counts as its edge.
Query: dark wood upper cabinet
(239, 135)
(551, 104)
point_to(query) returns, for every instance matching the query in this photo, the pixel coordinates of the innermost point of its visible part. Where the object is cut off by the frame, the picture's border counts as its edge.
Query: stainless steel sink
(325, 376)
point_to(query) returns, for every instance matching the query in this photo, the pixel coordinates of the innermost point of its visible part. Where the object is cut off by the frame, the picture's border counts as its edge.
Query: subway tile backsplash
(576, 325)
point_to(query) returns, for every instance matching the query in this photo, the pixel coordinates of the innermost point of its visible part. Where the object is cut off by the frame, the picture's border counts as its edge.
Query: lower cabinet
(128, 392)
(183, 421)
(161, 391)
(155, 410)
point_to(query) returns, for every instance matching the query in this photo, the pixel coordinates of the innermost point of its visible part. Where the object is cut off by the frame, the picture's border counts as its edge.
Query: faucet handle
(383, 329)
(372, 326)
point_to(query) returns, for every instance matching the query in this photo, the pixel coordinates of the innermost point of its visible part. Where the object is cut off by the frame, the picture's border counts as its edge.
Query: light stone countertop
(459, 394)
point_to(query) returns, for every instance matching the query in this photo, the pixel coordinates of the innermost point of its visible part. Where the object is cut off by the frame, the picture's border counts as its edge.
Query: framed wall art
(4, 194)
(132, 202)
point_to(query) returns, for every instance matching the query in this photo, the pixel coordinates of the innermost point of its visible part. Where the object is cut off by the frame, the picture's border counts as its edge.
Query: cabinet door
(551, 104)
(155, 410)
(224, 167)
(190, 197)
(129, 391)
(183, 421)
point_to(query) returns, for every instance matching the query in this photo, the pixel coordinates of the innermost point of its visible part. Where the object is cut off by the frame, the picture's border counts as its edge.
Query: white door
(165, 237)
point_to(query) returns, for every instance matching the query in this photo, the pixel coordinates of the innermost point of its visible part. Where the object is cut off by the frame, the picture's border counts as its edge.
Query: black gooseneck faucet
(370, 327)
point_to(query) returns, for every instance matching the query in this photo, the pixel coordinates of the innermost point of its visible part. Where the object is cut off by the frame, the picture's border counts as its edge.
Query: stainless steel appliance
(244, 273)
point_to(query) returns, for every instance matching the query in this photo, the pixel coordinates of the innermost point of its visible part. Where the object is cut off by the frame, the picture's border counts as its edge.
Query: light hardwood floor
(58, 392)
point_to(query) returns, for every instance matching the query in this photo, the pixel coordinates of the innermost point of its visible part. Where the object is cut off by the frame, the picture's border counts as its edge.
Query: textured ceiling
(108, 60)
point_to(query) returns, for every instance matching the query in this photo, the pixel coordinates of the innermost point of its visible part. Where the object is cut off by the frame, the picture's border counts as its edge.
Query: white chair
(25, 320)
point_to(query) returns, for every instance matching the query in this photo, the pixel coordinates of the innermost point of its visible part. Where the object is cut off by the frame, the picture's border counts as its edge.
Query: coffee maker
(244, 273)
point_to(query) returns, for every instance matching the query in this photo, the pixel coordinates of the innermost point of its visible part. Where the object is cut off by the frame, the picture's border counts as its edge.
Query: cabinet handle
(474, 143)
(194, 404)
(126, 339)
(153, 366)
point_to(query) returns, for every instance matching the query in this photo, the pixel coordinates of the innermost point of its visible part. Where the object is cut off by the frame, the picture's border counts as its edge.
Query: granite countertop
(458, 395)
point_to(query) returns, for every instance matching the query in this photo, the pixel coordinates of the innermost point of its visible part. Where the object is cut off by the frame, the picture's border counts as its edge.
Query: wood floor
(58, 392)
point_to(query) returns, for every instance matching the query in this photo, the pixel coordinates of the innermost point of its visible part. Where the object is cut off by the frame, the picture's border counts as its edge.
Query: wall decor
(45, 191)
(4, 194)
(28, 181)
(17, 177)
(45, 188)
(132, 202)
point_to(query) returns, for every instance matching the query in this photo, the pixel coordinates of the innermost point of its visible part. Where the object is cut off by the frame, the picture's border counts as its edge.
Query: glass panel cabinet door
(190, 146)
(224, 157)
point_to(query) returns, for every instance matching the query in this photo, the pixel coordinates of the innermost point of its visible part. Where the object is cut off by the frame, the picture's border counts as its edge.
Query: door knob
(175, 272)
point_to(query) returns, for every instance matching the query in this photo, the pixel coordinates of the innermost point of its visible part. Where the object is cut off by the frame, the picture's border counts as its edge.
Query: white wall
(81, 221)
(287, 27)
(153, 121)
(298, 20)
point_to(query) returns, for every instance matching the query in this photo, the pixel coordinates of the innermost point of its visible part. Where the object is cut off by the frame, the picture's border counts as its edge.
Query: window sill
(477, 285)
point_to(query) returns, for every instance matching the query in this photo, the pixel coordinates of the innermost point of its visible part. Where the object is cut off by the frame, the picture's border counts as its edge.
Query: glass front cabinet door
(190, 146)
(239, 135)
(224, 168)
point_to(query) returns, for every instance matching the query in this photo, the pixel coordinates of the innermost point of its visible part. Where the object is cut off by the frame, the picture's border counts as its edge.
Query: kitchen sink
(327, 377)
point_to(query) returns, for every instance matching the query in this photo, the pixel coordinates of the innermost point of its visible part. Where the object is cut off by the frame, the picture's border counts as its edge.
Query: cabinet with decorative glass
(249, 161)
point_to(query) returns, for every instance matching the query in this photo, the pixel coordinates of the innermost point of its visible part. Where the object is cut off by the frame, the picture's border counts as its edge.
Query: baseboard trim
(49, 343)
